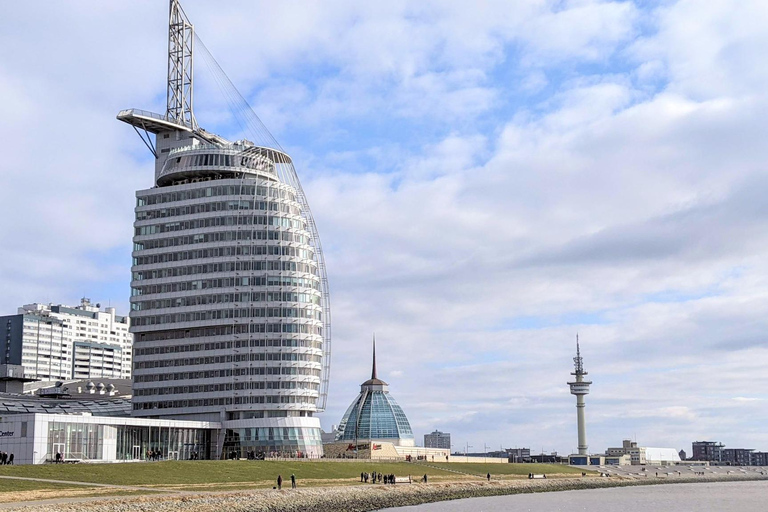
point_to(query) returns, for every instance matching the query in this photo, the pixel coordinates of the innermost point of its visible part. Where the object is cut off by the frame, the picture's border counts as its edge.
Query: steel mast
(181, 45)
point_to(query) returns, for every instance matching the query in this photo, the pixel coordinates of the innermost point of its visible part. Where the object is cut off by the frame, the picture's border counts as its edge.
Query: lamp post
(485, 452)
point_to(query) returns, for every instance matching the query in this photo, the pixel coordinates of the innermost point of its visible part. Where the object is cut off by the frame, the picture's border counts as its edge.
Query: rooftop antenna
(578, 361)
(181, 45)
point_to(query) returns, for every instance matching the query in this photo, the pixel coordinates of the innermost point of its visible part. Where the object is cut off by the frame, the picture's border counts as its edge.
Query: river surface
(697, 497)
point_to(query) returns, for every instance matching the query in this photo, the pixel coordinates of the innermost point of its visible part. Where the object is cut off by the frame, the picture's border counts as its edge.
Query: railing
(153, 115)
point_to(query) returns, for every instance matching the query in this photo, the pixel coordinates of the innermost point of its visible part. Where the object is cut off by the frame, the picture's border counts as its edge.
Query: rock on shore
(361, 498)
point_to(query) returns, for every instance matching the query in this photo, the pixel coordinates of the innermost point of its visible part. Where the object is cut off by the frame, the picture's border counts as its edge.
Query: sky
(488, 179)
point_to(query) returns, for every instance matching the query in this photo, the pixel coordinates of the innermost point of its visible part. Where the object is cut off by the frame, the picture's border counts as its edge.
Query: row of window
(225, 298)
(210, 331)
(227, 266)
(219, 252)
(232, 358)
(218, 206)
(229, 220)
(210, 402)
(199, 347)
(225, 372)
(248, 161)
(226, 282)
(217, 388)
(276, 235)
(219, 190)
(233, 372)
(232, 313)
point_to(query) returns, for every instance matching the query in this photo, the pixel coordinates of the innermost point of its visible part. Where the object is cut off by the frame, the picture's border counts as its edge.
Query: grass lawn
(11, 485)
(257, 473)
(206, 472)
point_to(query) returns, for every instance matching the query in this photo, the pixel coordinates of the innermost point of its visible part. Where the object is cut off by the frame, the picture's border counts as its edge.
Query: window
(23, 429)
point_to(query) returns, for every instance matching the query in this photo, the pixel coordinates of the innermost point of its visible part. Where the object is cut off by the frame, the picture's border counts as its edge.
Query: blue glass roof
(374, 414)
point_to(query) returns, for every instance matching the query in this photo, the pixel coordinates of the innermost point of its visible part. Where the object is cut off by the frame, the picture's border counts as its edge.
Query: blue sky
(488, 180)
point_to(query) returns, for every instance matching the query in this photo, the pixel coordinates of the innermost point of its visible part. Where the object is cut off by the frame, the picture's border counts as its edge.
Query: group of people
(153, 454)
(280, 481)
(6, 458)
(375, 477)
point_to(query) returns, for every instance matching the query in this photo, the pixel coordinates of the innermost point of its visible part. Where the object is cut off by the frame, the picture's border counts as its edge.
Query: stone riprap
(361, 498)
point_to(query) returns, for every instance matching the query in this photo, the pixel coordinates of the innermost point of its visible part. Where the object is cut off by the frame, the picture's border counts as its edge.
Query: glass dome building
(375, 415)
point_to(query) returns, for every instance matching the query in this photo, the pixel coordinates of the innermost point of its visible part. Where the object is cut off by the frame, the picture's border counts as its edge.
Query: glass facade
(270, 442)
(174, 443)
(76, 440)
(374, 415)
(85, 441)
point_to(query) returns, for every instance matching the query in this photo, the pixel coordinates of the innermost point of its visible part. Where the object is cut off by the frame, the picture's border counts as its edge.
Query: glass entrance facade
(88, 442)
(269, 442)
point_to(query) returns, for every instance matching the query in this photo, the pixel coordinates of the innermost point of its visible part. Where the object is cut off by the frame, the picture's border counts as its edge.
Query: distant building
(57, 342)
(711, 451)
(682, 454)
(759, 459)
(437, 439)
(518, 454)
(737, 456)
(630, 453)
(547, 458)
(329, 437)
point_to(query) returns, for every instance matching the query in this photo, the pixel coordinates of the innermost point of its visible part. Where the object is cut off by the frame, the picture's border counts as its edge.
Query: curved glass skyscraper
(229, 297)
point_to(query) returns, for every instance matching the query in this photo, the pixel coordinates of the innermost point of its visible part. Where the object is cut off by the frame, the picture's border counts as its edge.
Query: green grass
(203, 472)
(12, 485)
(257, 473)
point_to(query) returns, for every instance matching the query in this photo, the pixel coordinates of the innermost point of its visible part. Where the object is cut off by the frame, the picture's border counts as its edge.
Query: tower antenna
(181, 45)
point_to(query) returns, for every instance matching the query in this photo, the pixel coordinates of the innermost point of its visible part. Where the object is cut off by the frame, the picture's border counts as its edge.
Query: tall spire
(373, 372)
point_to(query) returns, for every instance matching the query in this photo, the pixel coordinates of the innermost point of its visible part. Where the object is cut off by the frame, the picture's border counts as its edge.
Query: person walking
(425, 478)
(10, 459)
(489, 476)
(293, 481)
(362, 475)
(279, 482)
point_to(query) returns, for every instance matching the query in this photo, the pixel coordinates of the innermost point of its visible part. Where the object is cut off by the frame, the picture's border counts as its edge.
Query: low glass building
(36, 438)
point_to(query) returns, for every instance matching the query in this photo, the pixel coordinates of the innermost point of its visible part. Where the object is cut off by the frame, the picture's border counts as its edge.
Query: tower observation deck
(580, 388)
(230, 305)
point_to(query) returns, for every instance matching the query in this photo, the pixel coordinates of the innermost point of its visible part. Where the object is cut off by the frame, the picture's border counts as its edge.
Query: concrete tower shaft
(580, 388)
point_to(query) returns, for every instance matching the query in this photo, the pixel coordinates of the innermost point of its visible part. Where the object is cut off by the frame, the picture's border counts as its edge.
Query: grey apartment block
(58, 342)
(437, 439)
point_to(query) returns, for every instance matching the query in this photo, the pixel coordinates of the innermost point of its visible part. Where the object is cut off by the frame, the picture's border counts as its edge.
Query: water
(697, 497)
